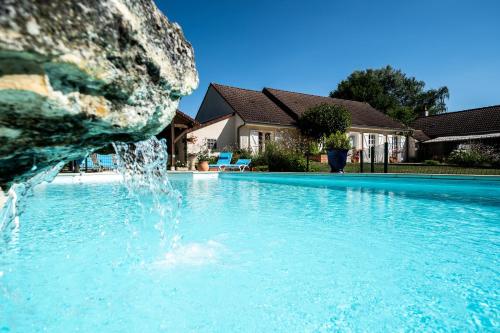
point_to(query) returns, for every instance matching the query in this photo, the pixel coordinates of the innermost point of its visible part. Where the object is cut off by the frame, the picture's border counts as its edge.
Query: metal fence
(377, 159)
(383, 159)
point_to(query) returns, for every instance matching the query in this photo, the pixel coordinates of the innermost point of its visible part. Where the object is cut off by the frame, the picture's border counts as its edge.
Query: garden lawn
(410, 168)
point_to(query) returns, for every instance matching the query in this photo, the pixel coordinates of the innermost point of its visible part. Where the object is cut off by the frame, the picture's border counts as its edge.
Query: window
(263, 138)
(211, 144)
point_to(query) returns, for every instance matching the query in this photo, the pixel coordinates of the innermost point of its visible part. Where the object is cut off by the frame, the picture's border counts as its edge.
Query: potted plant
(328, 121)
(203, 158)
(337, 145)
(180, 166)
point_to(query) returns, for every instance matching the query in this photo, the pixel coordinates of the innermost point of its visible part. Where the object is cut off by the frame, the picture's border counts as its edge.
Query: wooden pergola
(176, 131)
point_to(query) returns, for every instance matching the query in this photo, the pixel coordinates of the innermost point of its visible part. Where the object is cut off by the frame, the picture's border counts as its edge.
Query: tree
(392, 92)
(324, 119)
(319, 122)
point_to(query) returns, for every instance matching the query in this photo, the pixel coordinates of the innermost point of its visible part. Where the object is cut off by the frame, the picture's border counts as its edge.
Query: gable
(213, 106)
(254, 106)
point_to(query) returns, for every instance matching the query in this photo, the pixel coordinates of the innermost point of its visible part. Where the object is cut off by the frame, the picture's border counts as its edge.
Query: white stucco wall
(224, 131)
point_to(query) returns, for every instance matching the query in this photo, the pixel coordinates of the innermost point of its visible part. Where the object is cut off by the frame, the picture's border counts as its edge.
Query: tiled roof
(420, 135)
(362, 114)
(186, 118)
(253, 106)
(211, 121)
(464, 137)
(474, 121)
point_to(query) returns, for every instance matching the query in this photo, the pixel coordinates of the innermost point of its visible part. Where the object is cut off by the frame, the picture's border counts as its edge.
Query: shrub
(314, 148)
(203, 155)
(180, 164)
(261, 168)
(337, 140)
(279, 158)
(323, 120)
(259, 160)
(213, 159)
(241, 153)
(475, 155)
(431, 162)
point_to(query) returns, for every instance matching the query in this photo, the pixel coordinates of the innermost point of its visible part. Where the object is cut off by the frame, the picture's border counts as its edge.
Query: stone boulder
(76, 75)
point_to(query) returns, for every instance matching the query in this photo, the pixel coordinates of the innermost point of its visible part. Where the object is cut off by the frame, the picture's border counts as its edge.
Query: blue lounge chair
(107, 161)
(90, 164)
(223, 161)
(240, 164)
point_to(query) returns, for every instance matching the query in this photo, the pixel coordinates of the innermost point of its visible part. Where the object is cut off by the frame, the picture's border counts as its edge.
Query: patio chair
(90, 164)
(107, 162)
(224, 160)
(240, 164)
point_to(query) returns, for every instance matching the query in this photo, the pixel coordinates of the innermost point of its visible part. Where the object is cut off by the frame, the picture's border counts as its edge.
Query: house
(438, 135)
(243, 118)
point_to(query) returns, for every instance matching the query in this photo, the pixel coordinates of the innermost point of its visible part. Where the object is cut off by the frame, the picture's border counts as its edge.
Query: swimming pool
(265, 253)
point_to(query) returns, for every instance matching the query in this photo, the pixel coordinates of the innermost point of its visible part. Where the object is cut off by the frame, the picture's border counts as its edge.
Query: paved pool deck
(106, 177)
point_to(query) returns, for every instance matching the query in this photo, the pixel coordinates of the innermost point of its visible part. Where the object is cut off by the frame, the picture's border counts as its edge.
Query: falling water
(16, 197)
(143, 166)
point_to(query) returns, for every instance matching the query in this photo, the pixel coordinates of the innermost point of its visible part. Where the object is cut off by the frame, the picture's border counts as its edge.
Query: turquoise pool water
(269, 253)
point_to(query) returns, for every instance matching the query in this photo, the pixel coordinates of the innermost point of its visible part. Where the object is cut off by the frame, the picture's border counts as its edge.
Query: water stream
(143, 167)
(16, 197)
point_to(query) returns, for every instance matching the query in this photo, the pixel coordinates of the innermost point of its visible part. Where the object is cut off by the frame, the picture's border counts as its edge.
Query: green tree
(324, 119)
(392, 92)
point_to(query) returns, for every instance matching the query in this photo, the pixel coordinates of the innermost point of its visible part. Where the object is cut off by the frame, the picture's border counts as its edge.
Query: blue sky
(310, 46)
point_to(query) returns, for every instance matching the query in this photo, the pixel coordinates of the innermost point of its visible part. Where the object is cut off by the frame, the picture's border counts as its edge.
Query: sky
(310, 46)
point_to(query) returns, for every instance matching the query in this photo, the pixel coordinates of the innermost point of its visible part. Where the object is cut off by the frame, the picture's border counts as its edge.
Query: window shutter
(254, 141)
(244, 142)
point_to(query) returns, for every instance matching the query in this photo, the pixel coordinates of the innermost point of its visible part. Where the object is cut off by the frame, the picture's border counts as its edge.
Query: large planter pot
(337, 159)
(203, 166)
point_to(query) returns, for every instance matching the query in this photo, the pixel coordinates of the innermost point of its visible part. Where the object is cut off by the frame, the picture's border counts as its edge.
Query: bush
(241, 153)
(475, 155)
(323, 120)
(259, 160)
(313, 148)
(261, 168)
(203, 155)
(337, 140)
(431, 162)
(279, 158)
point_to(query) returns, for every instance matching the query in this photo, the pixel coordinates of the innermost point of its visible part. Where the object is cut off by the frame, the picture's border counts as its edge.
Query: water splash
(193, 254)
(143, 166)
(16, 197)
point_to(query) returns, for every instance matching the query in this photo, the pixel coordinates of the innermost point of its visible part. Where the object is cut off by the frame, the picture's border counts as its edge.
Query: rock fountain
(77, 75)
